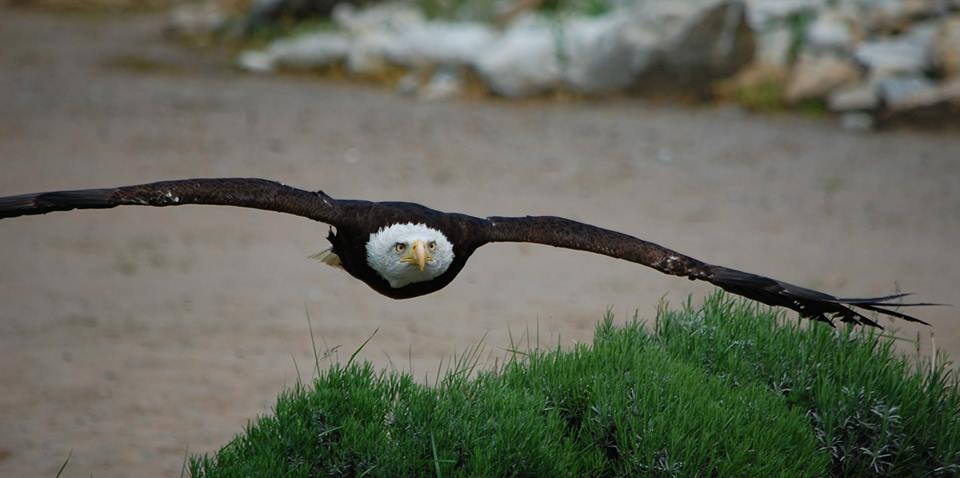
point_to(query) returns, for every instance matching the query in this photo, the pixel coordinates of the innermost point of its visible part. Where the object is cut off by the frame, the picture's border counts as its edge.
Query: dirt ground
(132, 335)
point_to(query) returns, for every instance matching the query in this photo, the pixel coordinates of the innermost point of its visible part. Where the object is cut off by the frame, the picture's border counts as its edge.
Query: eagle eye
(433, 246)
(399, 247)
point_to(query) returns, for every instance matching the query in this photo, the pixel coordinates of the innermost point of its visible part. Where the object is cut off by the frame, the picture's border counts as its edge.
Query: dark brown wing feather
(560, 232)
(241, 192)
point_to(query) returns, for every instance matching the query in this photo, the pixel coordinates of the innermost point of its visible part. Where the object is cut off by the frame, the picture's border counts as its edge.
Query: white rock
(764, 13)
(367, 55)
(312, 50)
(861, 97)
(374, 31)
(932, 106)
(389, 17)
(900, 92)
(255, 61)
(409, 84)
(946, 47)
(523, 61)
(712, 43)
(597, 55)
(307, 51)
(440, 43)
(830, 32)
(196, 18)
(773, 46)
(906, 54)
(856, 121)
(445, 84)
(880, 15)
(815, 76)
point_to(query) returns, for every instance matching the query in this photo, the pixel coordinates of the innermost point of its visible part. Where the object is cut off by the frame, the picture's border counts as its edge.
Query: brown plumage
(356, 220)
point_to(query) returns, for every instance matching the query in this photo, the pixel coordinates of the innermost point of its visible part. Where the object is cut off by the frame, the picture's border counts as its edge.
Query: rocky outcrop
(878, 58)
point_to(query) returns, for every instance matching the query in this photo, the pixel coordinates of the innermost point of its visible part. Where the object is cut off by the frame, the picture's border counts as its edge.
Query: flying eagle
(405, 250)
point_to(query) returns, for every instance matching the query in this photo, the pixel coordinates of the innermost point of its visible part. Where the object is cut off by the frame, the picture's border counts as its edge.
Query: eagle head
(407, 253)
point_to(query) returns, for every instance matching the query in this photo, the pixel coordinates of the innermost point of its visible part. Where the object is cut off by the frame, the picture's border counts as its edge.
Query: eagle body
(405, 250)
(366, 218)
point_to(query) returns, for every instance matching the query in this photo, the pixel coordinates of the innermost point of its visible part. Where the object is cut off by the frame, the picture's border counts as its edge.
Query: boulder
(373, 31)
(773, 46)
(597, 54)
(907, 54)
(946, 47)
(711, 43)
(764, 13)
(383, 17)
(861, 97)
(523, 61)
(446, 83)
(857, 121)
(196, 19)
(935, 107)
(895, 15)
(832, 32)
(445, 43)
(815, 76)
(307, 51)
(899, 92)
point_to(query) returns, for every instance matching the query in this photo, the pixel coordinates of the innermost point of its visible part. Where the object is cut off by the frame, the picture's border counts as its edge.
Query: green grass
(722, 390)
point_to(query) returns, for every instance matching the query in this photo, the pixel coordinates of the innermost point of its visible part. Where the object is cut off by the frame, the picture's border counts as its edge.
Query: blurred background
(809, 140)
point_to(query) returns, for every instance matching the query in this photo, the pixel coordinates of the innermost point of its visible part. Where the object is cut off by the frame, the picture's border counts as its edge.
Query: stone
(935, 107)
(815, 76)
(447, 43)
(899, 92)
(523, 61)
(715, 43)
(255, 61)
(596, 55)
(862, 97)
(373, 31)
(946, 47)
(831, 32)
(409, 84)
(916, 94)
(367, 55)
(307, 51)
(381, 17)
(773, 46)
(446, 84)
(196, 19)
(894, 15)
(764, 13)
(857, 121)
(910, 53)
(706, 43)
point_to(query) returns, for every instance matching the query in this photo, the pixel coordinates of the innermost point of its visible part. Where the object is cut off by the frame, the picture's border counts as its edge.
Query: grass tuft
(726, 389)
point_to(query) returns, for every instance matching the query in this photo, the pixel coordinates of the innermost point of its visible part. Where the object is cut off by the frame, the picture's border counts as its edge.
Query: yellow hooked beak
(417, 255)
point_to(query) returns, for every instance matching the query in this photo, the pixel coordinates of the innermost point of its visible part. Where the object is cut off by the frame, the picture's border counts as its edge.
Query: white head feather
(383, 257)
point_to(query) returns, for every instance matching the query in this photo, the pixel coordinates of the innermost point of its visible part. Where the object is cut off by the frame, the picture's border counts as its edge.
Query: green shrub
(874, 412)
(618, 408)
(729, 389)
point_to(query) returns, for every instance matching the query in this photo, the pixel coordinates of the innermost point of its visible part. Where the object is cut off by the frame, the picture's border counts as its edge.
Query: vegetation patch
(726, 389)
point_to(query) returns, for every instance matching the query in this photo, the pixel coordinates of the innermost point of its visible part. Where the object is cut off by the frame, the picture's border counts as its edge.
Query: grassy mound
(725, 390)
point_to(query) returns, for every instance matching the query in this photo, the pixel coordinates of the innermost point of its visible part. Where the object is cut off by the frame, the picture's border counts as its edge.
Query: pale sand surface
(131, 334)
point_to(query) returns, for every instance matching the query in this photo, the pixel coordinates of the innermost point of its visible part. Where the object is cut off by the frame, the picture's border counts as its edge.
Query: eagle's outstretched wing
(242, 192)
(560, 232)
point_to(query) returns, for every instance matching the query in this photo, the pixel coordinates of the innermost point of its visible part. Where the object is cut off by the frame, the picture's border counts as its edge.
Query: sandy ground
(129, 336)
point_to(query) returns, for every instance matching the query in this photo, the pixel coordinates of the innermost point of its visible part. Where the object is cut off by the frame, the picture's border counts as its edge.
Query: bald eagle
(405, 250)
